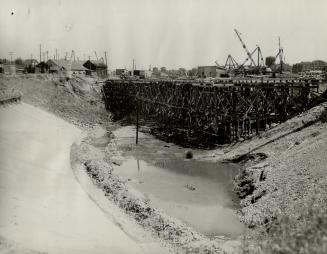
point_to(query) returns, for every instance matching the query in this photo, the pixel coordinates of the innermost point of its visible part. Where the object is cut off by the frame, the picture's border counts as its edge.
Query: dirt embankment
(78, 100)
(291, 161)
(283, 184)
(90, 153)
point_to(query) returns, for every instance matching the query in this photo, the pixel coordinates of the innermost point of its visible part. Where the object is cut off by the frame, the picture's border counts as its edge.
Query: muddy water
(196, 192)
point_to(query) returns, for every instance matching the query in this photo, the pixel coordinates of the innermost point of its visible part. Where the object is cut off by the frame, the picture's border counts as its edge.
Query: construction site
(225, 154)
(198, 112)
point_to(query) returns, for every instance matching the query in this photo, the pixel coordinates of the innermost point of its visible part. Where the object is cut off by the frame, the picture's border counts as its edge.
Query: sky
(170, 33)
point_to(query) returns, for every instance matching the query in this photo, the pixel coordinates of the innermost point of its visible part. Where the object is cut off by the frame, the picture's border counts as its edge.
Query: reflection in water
(196, 192)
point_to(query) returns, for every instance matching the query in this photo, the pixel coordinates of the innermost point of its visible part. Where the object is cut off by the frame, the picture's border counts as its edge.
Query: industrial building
(210, 71)
(96, 67)
(317, 65)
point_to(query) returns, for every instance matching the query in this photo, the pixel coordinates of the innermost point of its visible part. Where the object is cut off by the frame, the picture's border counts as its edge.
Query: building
(30, 65)
(57, 66)
(98, 67)
(66, 67)
(210, 71)
(78, 68)
(41, 67)
(317, 65)
(121, 72)
(142, 74)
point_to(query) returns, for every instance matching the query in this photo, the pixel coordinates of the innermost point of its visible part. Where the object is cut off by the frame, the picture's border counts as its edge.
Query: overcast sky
(179, 33)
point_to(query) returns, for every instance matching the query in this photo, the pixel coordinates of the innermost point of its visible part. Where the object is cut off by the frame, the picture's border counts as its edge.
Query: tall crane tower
(280, 55)
(230, 63)
(249, 55)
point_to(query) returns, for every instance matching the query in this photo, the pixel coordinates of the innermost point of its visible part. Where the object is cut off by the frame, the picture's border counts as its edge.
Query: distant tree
(163, 69)
(18, 61)
(182, 72)
(173, 73)
(155, 70)
(270, 60)
(193, 72)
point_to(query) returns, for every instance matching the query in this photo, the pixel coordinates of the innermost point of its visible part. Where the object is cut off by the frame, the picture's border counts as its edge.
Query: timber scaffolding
(209, 113)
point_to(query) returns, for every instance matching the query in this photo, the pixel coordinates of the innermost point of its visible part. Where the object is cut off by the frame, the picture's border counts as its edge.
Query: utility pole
(40, 53)
(105, 57)
(47, 55)
(137, 122)
(281, 51)
(133, 68)
(11, 54)
(56, 55)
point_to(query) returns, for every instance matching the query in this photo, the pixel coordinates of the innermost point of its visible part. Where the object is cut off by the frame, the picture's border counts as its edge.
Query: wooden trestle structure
(222, 112)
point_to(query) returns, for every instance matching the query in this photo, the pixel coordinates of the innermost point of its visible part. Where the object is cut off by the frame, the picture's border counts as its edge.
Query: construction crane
(230, 63)
(249, 55)
(260, 61)
(280, 54)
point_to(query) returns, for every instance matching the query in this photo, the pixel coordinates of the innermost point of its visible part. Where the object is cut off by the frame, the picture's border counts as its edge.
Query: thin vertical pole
(137, 123)
(105, 56)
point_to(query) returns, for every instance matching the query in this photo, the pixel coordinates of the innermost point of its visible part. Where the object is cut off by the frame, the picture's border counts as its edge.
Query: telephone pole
(40, 53)
(11, 54)
(105, 56)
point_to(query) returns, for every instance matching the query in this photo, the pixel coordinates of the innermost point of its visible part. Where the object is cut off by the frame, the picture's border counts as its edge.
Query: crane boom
(244, 46)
